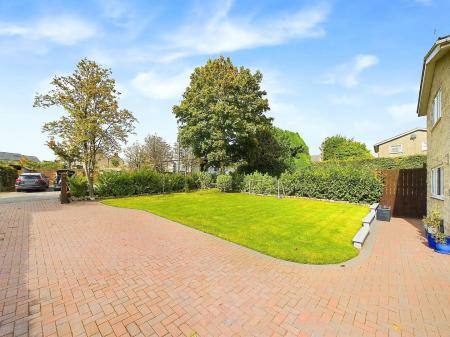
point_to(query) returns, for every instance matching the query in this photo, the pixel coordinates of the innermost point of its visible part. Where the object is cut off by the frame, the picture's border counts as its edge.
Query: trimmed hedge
(8, 176)
(332, 183)
(146, 181)
(403, 162)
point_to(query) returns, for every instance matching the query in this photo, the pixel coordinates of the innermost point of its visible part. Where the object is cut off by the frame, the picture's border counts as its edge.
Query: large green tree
(342, 148)
(275, 151)
(222, 108)
(92, 121)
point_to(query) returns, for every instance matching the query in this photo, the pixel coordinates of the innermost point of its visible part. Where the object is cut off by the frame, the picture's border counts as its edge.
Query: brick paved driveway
(86, 269)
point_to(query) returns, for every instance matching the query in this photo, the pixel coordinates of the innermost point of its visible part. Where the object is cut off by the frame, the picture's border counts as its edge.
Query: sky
(330, 67)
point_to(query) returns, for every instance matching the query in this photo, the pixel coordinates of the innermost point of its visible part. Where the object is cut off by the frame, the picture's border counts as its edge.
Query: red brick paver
(86, 269)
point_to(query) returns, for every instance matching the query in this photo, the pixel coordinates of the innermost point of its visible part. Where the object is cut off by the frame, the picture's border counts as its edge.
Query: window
(396, 148)
(437, 183)
(424, 146)
(437, 104)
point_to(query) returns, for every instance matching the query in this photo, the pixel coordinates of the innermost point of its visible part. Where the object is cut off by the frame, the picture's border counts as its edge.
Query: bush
(8, 176)
(203, 180)
(237, 181)
(224, 183)
(260, 183)
(145, 181)
(78, 186)
(334, 183)
(403, 162)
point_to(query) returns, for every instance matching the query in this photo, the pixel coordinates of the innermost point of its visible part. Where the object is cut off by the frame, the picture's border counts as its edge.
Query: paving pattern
(86, 269)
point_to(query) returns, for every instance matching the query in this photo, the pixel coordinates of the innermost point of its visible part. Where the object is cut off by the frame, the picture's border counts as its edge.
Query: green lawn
(300, 230)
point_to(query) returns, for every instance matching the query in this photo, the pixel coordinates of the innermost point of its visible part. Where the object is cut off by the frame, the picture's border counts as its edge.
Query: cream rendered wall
(439, 138)
(410, 147)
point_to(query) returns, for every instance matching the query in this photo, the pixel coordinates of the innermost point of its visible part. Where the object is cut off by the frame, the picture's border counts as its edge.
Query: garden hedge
(403, 162)
(8, 176)
(332, 183)
(146, 181)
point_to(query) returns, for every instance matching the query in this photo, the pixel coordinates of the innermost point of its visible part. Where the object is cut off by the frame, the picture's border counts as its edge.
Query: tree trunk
(90, 178)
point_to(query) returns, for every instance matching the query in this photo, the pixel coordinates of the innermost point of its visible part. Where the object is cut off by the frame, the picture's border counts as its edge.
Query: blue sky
(347, 67)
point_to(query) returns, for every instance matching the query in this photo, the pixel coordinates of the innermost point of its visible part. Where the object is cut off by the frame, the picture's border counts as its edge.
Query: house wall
(439, 138)
(410, 147)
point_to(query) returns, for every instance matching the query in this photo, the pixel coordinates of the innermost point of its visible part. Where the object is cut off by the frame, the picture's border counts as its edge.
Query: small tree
(93, 121)
(135, 156)
(341, 148)
(221, 109)
(157, 152)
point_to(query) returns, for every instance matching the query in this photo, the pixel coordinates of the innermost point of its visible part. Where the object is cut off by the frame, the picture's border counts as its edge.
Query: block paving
(86, 269)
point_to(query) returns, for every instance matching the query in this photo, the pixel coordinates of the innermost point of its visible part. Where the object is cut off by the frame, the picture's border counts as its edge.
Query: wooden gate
(405, 191)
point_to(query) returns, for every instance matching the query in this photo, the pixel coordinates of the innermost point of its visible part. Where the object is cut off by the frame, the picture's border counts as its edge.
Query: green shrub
(224, 183)
(260, 183)
(403, 162)
(237, 181)
(203, 180)
(334, 183)
(144, 181)
(8, 176)
(78, 186)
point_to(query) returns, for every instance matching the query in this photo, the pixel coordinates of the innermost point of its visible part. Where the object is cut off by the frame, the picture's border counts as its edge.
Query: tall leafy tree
(222, 108)
(342, 148)
(93, 121)
(135, 156)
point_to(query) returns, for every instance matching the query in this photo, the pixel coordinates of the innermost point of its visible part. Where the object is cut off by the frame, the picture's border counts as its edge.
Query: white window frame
(436, 113)
(437, 183)
(424, 146)
(392, 151)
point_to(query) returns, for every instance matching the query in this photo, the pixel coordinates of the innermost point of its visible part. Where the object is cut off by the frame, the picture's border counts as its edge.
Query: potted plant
(432, 223)
(442, 242)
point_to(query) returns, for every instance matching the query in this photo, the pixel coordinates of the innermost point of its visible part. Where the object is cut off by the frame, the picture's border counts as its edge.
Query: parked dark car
(57, 185)
(31, 182)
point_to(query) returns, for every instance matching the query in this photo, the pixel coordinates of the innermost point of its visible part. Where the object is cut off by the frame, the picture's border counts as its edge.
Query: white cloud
(159, 85)
(65, 30)
(347, 74)
(345, 99)
(391, 90)
(219, 32)
(403, 112)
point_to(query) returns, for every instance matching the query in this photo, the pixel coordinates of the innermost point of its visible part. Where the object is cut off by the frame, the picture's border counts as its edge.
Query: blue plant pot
(431, 241)
(443, 248)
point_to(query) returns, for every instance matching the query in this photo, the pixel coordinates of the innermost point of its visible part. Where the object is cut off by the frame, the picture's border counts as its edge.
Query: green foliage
(334, 183)
(144, 181)
(341, 148)
(8, 176)
(92, 124)
(403, 162)
(275, 151)
(259, 183)
(221, 111)
(78, 186)
(204, 180)
(224, 182)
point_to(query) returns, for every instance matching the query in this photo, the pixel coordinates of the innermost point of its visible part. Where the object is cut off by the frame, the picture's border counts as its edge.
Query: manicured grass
(301, 230)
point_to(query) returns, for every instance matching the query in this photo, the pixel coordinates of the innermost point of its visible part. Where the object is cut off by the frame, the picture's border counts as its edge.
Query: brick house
(412, 142)
(434, 102)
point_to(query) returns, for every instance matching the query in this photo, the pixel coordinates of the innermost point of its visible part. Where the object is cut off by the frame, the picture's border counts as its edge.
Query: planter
(431, 240)
(443, 248)
(383, 213)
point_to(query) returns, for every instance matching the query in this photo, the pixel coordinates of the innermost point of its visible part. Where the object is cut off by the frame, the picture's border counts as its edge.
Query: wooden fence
(405, 191)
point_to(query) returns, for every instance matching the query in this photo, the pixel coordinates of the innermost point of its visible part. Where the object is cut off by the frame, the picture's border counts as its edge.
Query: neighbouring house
(315, 158)
(434, 102)
(9, 156)
(412, 142)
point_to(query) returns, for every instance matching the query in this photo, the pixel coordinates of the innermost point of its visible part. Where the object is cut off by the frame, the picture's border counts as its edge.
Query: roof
(375, 147)
(316, 157)
(9, 156)
(440, 48)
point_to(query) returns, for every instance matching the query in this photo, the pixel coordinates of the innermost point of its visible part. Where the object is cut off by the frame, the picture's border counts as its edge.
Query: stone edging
(361, 235)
